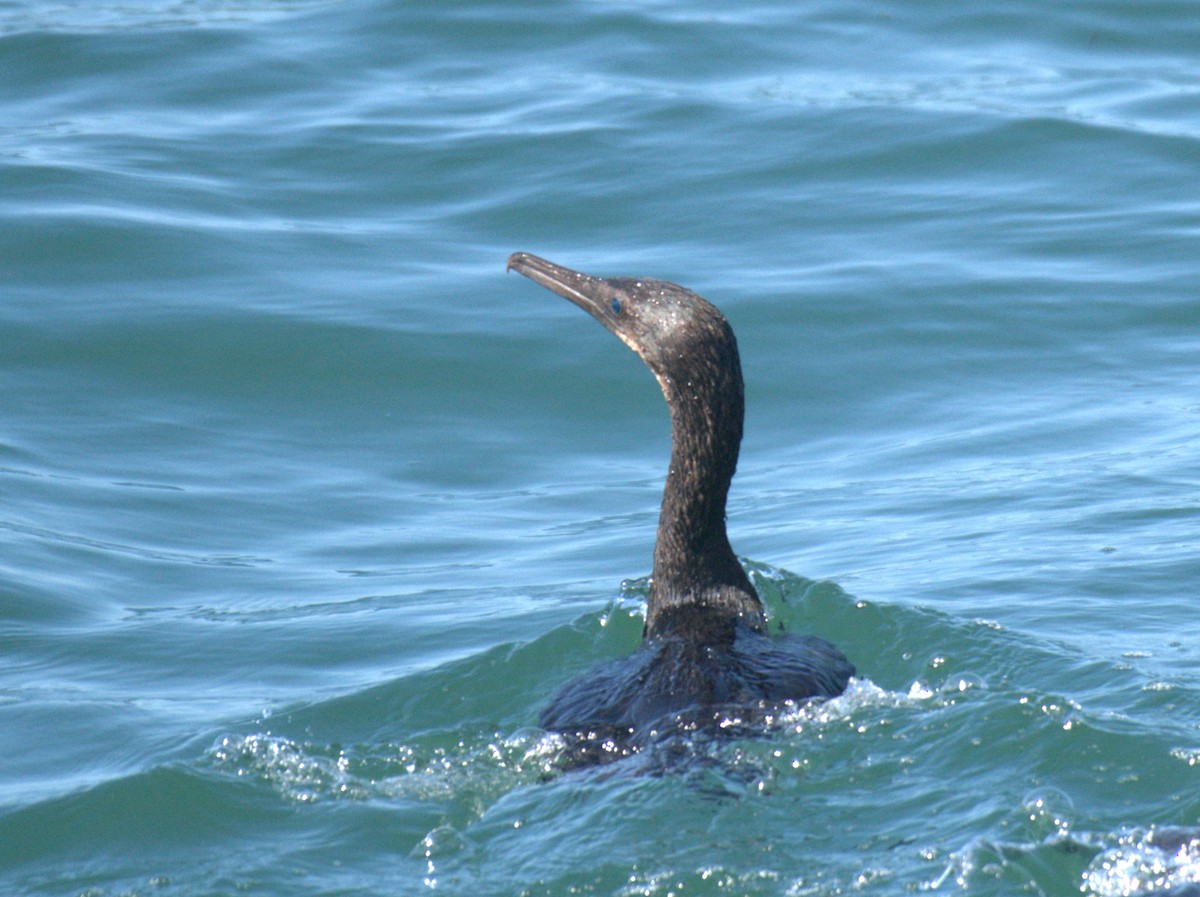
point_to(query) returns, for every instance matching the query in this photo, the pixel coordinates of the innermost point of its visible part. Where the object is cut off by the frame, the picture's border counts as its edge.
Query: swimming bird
(706, 652)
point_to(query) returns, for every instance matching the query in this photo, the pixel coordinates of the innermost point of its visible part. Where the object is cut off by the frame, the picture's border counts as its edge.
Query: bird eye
(616, 306)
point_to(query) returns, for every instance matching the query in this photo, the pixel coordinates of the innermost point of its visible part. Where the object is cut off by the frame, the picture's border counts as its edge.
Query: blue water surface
(306, 508)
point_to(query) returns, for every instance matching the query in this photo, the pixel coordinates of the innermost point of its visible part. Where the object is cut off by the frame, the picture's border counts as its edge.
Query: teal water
(306, 507)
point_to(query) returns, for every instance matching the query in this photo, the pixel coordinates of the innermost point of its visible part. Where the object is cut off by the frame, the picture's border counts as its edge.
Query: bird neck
(696, 573)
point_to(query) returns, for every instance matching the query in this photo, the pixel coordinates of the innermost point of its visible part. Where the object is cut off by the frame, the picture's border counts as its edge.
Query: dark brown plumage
(706, 649)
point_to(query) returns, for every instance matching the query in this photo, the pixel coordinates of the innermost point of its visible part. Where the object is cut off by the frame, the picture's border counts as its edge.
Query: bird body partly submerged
(706, 652)
(698, 680)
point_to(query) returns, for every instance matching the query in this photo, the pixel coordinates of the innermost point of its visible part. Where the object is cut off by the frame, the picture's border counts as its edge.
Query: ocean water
(306, 507)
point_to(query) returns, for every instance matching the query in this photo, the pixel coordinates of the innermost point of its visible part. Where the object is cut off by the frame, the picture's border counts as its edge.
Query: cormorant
(706, 652)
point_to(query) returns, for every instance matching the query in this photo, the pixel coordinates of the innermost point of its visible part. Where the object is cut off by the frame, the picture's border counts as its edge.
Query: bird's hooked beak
(569, 284)
(595, 295)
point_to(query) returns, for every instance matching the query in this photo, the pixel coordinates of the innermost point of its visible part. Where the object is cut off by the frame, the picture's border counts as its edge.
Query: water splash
(1141, 861)
(307, 773)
